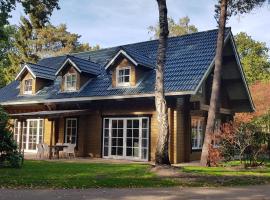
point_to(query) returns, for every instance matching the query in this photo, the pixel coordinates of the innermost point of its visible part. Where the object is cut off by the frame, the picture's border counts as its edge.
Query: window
(197, 132)
(32, 133)
(123, 76)
(28, 86)
(70, 82)
(126, 138)
(71, 130)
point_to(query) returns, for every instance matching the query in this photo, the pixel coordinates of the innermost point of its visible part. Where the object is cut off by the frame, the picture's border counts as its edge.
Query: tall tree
(183, 27)
(162, 154)
(39, 11)
(224, 9)
(254, 58)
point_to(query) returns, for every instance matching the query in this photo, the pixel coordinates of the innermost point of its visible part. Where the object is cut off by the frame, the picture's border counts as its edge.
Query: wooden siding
(27, 76)
(37, 83)
(81, 78)
(90, 126)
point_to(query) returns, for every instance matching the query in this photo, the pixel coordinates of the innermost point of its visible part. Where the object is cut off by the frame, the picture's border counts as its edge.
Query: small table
(58, 148)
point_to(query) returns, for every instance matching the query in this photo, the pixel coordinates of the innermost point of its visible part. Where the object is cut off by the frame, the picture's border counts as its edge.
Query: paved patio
(237, 193)
(32, 156)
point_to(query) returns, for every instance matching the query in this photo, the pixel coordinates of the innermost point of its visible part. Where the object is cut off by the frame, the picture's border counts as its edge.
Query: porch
(46, 127)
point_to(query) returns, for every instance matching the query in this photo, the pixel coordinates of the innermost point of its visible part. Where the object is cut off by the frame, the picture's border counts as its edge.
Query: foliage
(6, 47)
(35, 38)
(254, 57)
(6, 6)
(9, 155)
(236, 7)
(224, 10)
(183, 27)
(39, 11)
(260, 92)
(244, 141)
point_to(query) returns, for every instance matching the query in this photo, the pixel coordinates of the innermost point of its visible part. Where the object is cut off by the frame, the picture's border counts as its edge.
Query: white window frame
(123, 84)
(66, 128)
(199, 132)
(72, 88)
(30, 86)
(140, 148)
(17, 127)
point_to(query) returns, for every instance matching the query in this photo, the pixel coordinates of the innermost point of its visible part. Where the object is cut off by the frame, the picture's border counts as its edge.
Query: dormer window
(28, 86)
(70, 82)
(123, 76)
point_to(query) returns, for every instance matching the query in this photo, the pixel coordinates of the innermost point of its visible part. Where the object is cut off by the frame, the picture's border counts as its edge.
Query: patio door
(32, 134)
(126, 138)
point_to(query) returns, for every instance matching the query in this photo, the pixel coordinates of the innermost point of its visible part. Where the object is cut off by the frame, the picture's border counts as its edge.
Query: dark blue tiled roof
(86, 66)
(188, 58)
(139, 58)
(42, 71)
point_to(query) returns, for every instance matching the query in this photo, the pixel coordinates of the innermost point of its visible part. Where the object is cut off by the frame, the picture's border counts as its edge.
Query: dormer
(34, 77)
(127, 67)
(76, 72)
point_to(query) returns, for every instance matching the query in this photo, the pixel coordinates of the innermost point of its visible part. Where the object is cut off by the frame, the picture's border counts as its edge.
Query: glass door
(126, 138)
(32, 133)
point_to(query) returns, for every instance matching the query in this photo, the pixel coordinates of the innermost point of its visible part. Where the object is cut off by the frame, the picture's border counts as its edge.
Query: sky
(116, 22)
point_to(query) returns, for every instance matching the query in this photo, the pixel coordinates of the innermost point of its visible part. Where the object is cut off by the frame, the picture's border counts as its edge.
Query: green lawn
(231, 174)
(44, 174)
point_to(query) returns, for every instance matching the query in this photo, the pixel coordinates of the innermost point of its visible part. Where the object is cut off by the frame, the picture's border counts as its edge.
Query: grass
(231, 174)
(45, 174)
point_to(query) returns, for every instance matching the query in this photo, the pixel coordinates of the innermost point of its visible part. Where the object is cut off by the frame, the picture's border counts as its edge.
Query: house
(103, 101)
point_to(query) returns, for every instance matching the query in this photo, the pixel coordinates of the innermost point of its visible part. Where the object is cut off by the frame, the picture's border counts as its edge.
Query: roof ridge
(82, 59)
(138, 43)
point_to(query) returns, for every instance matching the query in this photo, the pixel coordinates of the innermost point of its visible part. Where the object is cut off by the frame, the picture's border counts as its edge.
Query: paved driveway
(239, 193)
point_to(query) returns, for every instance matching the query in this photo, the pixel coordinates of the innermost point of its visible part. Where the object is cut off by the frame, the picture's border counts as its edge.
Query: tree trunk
(162, 155)
(214, 101)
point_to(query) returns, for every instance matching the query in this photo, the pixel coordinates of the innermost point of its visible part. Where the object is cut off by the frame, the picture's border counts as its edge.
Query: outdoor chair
(70, 150)
(47, 150)
(63, 153)
(40, 151)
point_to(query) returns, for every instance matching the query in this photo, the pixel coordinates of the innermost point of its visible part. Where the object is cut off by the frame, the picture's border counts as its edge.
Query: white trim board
(26, 67)
(80, 99)
(64, 64)
(114, 58)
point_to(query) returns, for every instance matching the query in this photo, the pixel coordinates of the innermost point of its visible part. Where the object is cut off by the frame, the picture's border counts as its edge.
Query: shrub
(9, 155)
(243, 141)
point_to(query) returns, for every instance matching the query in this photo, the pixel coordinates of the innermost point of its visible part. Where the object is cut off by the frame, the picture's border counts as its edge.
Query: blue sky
(115, 22)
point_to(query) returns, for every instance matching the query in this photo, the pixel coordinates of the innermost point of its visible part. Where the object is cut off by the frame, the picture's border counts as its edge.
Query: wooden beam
(21, 136)
(51, 138)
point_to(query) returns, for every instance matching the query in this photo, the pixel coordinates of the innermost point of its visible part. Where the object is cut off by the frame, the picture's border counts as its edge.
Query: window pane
(129, 132)
(144, 153)
(144, 133)
(136, 123)
(136, 133)
(129, 123)
(120, 132)
(114, 133)
(106, 123)
(129, 151)
(120, 124)
(127, 72)
(126, 79)
(144, 123)
(106, 151)
(144, 142)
